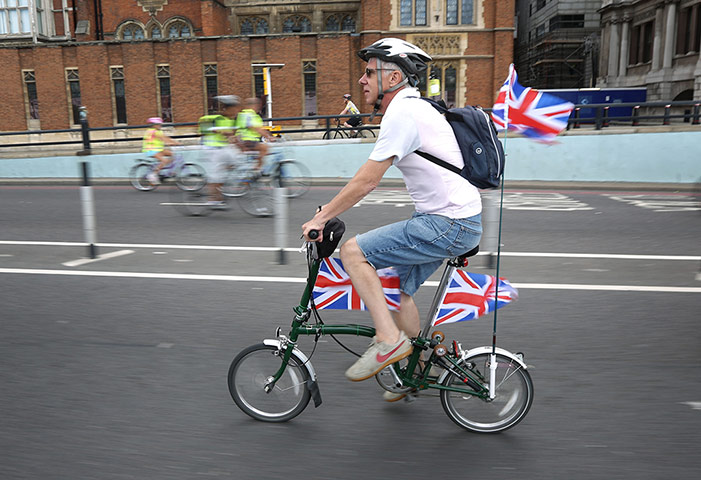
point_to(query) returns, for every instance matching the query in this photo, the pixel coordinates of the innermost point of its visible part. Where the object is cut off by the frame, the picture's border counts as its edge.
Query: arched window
(296, 23)
(348, 24)
(156, 32)
(246, 27)
(179, 29)
(254, 25)
(332, 24)
(261, 26)
(131, 31)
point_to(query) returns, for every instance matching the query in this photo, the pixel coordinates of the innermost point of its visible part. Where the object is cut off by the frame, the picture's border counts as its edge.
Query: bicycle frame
(404, 376)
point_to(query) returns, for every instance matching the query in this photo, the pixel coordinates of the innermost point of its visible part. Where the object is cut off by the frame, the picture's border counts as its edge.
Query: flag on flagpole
(333, 288)
(471, 295)
(532, 113)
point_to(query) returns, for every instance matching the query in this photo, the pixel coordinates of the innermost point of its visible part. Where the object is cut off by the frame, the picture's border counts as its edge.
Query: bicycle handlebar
(313, 234)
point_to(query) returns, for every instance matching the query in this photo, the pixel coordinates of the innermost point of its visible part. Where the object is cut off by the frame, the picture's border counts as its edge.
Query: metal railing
(597, 115)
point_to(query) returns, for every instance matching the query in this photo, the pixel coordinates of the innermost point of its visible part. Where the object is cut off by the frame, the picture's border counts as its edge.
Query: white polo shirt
(411, 124)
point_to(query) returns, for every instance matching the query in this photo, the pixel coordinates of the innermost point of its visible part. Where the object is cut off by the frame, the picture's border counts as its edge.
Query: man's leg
(262, 149)
(407, 318)
(369, 288)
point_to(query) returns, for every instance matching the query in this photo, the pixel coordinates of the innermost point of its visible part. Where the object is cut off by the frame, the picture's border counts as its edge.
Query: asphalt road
(116, 369)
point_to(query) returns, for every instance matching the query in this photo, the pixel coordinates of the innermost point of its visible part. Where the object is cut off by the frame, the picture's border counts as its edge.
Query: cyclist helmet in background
(155, 120)
(229, 100)
(410, 59)
(347, 96)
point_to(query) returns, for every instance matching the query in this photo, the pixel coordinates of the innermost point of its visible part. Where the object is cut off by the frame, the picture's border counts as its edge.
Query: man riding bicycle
(350, 109)
(250, 132)
(218, 138)
(447, 220)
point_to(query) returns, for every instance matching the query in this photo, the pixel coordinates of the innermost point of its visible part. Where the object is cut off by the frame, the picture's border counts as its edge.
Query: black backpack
(477, 138)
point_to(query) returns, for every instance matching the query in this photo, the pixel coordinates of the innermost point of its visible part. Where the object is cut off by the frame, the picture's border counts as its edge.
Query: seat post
(438, 297)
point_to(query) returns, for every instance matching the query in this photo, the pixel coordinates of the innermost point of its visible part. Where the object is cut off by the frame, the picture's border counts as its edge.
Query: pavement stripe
(296, 249)
(106, 256)
(245, 278)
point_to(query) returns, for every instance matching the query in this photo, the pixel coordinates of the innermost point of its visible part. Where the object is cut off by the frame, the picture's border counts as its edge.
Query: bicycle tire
(514, 395)
(236, 183)
(294, 176)
(258, 200)
(191, 176)
(248, 375)
(191, 203)
(326, 135)
(137, 177)
(338, 134)
(366, 133)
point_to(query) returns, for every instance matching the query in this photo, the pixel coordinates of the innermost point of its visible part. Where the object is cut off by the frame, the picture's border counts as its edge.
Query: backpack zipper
(491, 136)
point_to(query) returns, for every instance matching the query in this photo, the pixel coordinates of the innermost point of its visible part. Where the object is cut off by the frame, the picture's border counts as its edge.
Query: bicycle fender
(312, 384)
(274, 342)
(488, 349)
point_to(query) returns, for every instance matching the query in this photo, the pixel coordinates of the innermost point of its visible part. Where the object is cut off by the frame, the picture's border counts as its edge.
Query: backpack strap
(440, 162)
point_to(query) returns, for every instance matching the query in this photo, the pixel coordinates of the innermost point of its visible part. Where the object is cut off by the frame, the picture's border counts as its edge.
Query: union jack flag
(537, 115)
(471, 295)
(333, 288)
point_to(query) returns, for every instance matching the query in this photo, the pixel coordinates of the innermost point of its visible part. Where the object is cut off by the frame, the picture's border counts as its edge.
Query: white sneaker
(217, 205)
(378, 356)
(153, 178)
(392, 396)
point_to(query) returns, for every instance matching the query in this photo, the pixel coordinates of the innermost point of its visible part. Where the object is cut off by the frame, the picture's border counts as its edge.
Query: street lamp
(267, 90)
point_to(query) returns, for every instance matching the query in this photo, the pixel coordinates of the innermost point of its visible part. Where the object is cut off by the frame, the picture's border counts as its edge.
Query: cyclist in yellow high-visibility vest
(250, 133)
(350, 109)
(154, 145)
(218, 138)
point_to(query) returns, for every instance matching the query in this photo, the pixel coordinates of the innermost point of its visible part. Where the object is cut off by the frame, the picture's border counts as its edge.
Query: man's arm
(363, 182)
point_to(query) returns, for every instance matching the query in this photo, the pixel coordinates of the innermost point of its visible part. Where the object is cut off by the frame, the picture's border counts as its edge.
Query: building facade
(128, 60)
(653, 44)
(556, 44)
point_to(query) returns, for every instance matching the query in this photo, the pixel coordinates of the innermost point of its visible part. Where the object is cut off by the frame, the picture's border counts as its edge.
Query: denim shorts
(418, 246)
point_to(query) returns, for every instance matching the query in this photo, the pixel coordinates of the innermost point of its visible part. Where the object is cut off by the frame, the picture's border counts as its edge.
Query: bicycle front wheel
(191, 177)
(514, 395)
(293, 176)
(253, 369)
(137, 177)
(365, 133)
(258, 201)
(190, 202)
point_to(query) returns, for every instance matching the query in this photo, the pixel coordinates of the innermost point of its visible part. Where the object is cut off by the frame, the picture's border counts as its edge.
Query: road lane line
(245, 278)
(609, 256)
(106, 256)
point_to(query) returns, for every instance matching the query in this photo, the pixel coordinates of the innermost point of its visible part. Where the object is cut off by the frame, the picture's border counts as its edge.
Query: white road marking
(613, 256)
(244, 278)
(83, 261)
(693, 405)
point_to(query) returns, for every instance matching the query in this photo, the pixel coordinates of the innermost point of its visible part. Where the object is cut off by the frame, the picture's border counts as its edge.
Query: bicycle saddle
(462, 259)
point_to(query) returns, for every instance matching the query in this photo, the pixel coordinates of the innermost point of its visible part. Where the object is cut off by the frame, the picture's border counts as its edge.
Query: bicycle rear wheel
(191, 202)
(137, 177)
(236, 183)
(365, 133)
(514, 395)
(258, 200)
(293, 176)
(191, 177)
(251, 371)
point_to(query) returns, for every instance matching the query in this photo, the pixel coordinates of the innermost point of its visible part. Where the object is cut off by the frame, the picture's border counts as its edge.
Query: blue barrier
(666, 157)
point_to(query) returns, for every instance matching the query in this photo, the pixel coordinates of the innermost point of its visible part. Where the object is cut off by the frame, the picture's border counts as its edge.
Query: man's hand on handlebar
(313, 231)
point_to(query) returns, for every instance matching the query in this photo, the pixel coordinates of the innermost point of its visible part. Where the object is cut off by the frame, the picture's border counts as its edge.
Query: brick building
(129, 60)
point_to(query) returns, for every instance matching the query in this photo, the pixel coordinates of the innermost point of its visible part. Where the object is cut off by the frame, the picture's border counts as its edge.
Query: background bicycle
(187, 175)
(361, 131)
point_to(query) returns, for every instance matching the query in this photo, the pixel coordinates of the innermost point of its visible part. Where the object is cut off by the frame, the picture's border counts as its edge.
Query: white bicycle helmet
(408, 57)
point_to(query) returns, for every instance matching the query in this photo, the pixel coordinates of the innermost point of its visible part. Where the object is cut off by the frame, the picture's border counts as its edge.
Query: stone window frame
(179, 23)
(210, 70)
(297, 21)
(29, 77)
(341, 19)
(309, 66)
(129, 25)
(72, 76)
(117, 73)
(255, 21)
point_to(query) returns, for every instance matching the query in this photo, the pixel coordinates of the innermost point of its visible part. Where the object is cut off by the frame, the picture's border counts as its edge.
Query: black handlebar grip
(313, 234)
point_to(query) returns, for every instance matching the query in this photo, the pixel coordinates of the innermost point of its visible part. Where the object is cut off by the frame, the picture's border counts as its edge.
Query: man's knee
(351, 252)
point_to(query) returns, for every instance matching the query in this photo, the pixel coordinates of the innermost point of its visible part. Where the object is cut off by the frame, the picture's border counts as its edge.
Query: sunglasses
(370, 71)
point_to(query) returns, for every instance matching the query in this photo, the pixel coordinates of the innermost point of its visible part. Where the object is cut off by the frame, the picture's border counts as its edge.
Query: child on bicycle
(154, 145)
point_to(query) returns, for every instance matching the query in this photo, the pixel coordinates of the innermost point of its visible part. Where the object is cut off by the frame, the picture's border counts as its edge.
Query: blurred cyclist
(218, 138)
(250, 132)
(350, 109)
(154, 144)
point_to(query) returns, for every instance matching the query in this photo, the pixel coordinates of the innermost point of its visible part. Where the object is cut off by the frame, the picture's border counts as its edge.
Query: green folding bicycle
(485, 389)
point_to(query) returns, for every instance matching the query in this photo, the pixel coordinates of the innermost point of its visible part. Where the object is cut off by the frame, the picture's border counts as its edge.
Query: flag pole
(501, 214)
